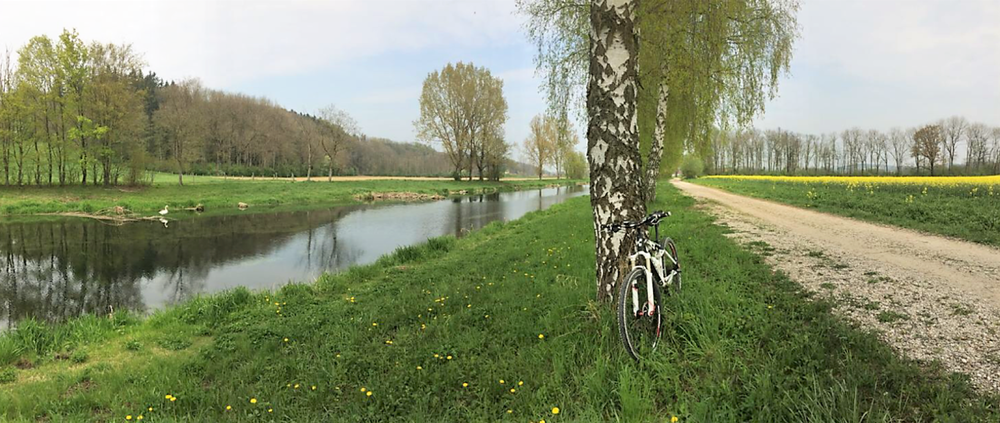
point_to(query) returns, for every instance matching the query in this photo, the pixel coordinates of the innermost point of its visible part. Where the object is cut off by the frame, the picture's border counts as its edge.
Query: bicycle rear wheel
(639, 332)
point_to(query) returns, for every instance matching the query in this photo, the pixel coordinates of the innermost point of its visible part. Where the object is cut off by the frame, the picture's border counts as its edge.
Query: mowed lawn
(961, 207)
(497, 326)
(220, 196)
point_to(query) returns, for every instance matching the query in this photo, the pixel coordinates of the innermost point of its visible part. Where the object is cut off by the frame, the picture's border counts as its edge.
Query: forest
(73, 112)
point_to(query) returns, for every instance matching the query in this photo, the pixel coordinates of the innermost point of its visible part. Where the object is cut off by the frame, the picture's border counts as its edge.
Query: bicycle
(639, 325)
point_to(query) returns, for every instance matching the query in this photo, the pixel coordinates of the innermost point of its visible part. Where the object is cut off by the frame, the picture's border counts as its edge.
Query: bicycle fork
(650, 304)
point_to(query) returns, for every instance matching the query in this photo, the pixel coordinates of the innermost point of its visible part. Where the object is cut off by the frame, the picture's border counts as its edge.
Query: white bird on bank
(164, 211)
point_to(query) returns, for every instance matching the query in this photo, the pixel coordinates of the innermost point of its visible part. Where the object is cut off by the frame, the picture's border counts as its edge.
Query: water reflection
(57, 269)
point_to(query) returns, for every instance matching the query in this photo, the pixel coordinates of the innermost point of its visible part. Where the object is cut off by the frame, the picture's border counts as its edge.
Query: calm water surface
(54, 270)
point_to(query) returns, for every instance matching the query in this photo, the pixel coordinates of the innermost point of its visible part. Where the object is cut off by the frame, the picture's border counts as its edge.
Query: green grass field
(966, 208)
(497, 326)
(222, 195)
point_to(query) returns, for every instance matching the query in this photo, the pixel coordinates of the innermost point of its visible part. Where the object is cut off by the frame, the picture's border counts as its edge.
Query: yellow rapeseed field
(875, 180)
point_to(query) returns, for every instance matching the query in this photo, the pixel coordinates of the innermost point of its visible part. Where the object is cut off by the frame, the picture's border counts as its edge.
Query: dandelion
(253, 400)
(128, 417)
(139, 417)
(369, 393)
(229, 407)
(286, 339)
(512, 390)
(540, 336)
(296, 386)
(314, 387)
(465, 384)
(555, 410)
(150, 408)
(449, 357)
(501, 381)
(168, 396)
(673, 419)
(172, 399)
(419, 368)
(388, 342)
(270, 410)
(363, 389)
(520, 383)
(374, 324)
(509, 411)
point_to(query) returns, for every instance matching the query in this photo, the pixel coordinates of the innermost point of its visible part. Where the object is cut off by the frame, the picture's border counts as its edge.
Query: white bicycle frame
(653, 263)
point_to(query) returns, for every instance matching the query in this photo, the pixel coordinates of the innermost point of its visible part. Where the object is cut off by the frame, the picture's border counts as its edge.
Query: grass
(400, 339)
(220, 196)
(966, 208)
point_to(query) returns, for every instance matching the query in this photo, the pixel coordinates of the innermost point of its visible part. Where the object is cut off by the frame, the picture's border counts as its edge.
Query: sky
(874, 64)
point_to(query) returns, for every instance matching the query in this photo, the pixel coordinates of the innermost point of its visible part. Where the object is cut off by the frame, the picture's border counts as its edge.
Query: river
(56, 269)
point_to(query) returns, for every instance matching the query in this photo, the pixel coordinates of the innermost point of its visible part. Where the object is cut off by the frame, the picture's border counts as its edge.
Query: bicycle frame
(651, 262)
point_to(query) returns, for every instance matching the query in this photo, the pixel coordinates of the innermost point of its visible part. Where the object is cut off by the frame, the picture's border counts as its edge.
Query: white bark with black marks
(612, 135)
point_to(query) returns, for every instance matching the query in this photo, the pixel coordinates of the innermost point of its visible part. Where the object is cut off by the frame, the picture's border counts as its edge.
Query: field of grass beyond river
(220, 196)
(499, 325)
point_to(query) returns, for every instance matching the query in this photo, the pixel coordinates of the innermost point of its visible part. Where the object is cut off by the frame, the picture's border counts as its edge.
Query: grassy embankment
(496, 326)
(222, 195)
(962, 207)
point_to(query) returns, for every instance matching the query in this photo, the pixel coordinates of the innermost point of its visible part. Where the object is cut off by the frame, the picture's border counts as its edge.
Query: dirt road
(930, 297)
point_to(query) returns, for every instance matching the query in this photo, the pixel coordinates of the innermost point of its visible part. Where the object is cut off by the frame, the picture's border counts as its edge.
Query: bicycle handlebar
(652, 220)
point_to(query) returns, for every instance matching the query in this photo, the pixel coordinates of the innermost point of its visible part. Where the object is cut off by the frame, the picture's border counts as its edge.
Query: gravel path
(930, 297)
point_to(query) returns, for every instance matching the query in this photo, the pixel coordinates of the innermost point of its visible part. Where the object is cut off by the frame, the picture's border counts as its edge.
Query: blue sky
(875, 64)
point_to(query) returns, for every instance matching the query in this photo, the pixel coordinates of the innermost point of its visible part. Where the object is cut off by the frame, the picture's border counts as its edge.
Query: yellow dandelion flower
(540, 336)
(419, 368)
(374, 324)
(253, 400)
(269, 410)
(150, 408)
(167, 396)
(296, 386)
(555, 410)
(449, 357)
(363, 389)
(509, 411)
(229, 407)
(520, 383)
(286, 339)
(673, 419)
(172, 399)
(128, 417)
(139, 417)
(465, 385)
(369, 393)
(512, 390)
(501, 381)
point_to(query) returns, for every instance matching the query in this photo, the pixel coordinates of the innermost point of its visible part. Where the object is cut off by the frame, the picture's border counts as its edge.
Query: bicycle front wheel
(638, 326)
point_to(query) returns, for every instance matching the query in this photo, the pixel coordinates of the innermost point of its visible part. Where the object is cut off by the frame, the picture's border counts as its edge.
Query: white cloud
(226, 42)
(887, 63)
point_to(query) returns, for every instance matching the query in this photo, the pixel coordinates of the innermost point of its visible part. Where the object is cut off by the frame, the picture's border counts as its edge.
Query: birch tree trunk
(612, 135)
(656, 149)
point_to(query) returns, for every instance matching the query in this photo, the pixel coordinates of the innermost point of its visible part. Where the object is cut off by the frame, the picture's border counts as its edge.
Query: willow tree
(461, 108)
(703, 64)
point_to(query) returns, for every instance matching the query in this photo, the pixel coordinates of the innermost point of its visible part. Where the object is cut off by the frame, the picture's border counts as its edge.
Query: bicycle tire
(630, 328)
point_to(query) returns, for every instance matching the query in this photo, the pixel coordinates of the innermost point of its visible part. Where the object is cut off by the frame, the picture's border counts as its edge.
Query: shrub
(79, 356)
(692, 167)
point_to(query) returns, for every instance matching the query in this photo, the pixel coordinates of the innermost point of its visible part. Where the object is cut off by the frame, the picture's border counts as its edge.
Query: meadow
(220, 196)
(499, 325)
(961, 207)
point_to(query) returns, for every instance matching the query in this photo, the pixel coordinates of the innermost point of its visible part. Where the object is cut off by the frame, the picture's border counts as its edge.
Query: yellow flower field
(907, 180)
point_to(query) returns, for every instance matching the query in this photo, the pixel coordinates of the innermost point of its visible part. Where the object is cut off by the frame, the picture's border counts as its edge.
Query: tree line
(551, 142)
(932, 149)
(88, 113)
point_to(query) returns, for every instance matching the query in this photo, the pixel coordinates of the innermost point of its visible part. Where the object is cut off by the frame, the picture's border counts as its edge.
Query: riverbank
(497, 325)
(222, 196)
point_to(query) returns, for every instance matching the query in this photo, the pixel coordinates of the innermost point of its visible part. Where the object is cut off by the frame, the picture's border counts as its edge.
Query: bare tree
(952, 130)
(976, 136)
(340, 127)
(181, 117)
